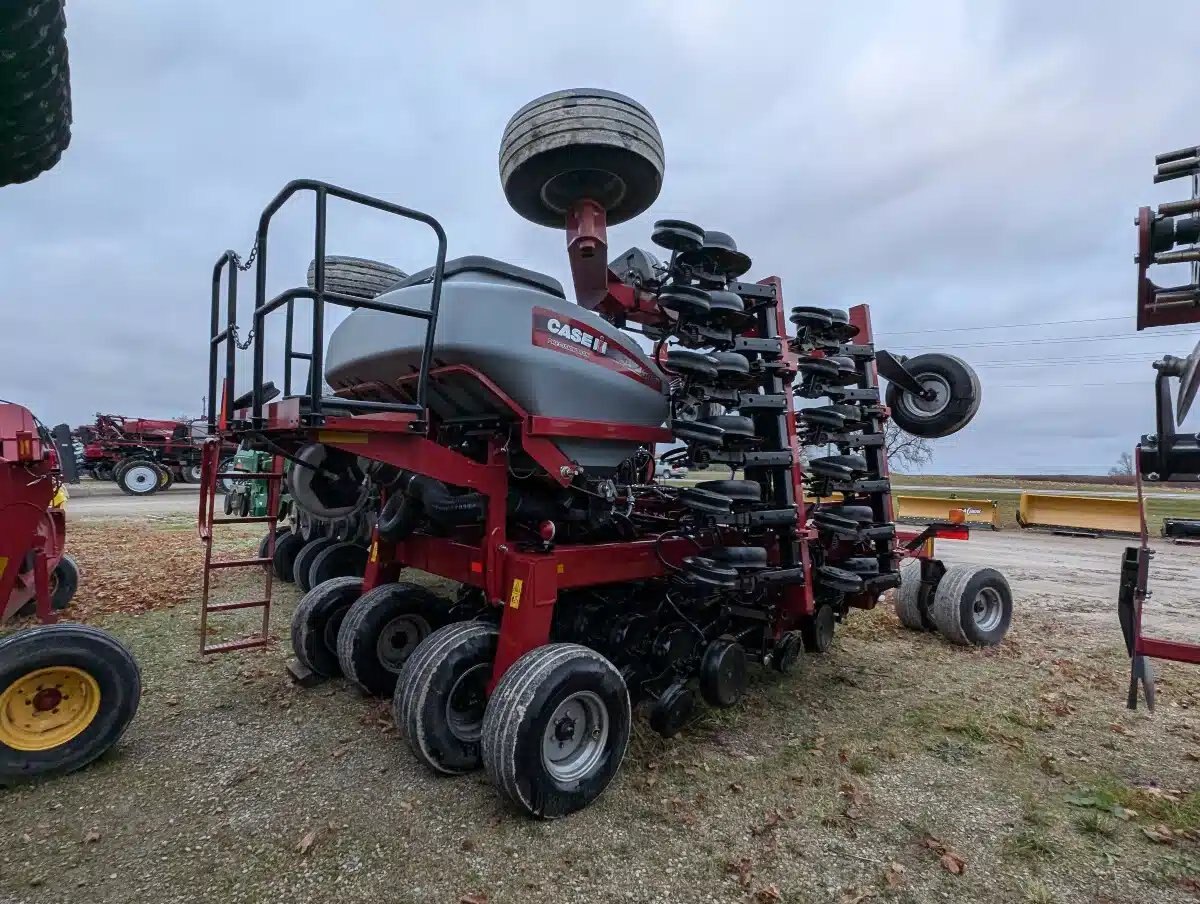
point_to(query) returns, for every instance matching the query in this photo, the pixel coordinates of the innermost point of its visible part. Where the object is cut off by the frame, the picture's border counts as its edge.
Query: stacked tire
(35, 91)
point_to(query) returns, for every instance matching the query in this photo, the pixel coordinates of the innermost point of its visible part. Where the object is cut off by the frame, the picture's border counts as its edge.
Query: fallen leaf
(893, 876)
(736, 788)
(742, 869)
(768, 895)
(303, 845)
(856, 896)
(91, 837)
(474, 898)
(1160, 834)
(953, 863)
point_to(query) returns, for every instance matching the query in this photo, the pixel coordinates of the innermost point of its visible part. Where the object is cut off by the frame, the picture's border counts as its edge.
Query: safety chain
(242, 346)
(243, 266)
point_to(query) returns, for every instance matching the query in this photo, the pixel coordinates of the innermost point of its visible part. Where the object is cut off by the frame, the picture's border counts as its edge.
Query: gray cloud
(951, 163)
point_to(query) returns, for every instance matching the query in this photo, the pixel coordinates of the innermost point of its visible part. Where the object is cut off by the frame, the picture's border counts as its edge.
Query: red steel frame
(524, 580)
(27, 523)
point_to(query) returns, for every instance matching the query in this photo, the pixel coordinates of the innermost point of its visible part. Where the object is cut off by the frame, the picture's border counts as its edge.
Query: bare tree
(905, 450)
(1123, 467)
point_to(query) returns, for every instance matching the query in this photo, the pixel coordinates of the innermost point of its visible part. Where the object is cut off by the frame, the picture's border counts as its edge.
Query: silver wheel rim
(138, 477)
(193, 474)
(575, 738)
(987, 609)
(398, 639)
(465, 703)
(928, 408)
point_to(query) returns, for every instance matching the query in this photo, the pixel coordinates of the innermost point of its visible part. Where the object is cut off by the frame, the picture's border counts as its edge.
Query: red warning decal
(572, 337)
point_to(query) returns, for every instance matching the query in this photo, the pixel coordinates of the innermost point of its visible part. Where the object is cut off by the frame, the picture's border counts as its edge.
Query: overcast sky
(955, 164)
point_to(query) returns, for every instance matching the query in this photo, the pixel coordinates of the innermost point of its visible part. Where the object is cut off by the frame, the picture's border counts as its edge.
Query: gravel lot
(895, 768)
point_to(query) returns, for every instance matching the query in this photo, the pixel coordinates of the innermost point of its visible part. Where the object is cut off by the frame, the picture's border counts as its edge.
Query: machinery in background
(1168, 235)
(142, 455)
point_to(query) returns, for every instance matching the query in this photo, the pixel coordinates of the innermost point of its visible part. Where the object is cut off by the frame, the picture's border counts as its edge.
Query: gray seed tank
(516, 328)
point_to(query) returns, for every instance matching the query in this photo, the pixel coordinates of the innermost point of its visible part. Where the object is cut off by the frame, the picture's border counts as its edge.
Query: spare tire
(584, 143)
(35, 89)
(356, 276)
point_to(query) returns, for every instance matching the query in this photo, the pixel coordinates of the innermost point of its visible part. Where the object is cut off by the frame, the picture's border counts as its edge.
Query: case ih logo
(562, 334)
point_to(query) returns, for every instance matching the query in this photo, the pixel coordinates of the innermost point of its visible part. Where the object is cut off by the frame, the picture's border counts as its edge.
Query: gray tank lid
(475, 263)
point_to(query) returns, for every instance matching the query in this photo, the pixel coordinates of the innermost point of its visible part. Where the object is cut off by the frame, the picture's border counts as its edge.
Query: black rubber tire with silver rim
(317, 621)
(581, 143)
(64, 581)
(957, 400)
(556, 729)
(138, 478)
(441, 694)
(381, 631)
(355, 276)
(109, 664)
(190, 473)
(911, 599)
(973, 606)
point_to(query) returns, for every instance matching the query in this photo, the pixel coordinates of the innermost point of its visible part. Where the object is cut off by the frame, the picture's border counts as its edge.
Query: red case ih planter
(505, 439)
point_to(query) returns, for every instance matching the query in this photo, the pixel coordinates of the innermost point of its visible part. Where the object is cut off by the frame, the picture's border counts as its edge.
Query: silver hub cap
(988, 609)
(575, 738)
(933, 406)
(398, 639)
(141, 477)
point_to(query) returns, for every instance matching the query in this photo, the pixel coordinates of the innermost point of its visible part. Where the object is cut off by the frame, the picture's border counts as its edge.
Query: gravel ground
(895, 768)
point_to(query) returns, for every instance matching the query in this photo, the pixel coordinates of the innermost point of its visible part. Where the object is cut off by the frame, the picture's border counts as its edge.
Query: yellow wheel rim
(47, 708)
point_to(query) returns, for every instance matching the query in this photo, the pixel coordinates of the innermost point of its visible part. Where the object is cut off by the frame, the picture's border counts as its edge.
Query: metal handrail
(319, 296)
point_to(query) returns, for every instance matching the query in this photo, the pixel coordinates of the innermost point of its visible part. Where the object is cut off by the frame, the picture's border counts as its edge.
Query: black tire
(302, 565)
(166, 477)
(735, 490)
(355, 276)
(958, 397)
(189, 473)
(912, 598)
(440, 696)
(264, 545)
(317, 621)
(64, 582)
(244, 502)
(287, 547)
(972, 606)
(550, 689)
(228, 503)
(225, 484)
(138, 477)
(96, 654)
(723, 673)
(817, 631)
(338, 560)
(103, 472)
(35, 90)
(381, 631)
(577, 144)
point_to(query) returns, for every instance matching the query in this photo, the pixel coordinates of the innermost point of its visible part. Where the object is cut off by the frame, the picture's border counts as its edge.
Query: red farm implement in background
(1167, 235)
(489, 431)
(143, 455)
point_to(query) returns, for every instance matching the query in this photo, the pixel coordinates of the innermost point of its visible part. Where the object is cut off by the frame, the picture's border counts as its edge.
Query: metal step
(229, 607)
(240, 563)
(240, 643)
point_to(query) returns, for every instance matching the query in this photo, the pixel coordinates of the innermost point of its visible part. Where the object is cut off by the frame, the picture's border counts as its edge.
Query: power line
(1002, 326)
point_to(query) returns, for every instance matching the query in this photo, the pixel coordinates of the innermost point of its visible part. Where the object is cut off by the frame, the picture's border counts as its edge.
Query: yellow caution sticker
(561, 568)
(514, 598)
(340, 436)
(374, 557)
(3, 565)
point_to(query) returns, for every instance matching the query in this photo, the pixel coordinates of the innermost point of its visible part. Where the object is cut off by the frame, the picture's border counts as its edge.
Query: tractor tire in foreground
(973, 606)
(67, 694)
(35, 89)
(556, 729)
(441, 696)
